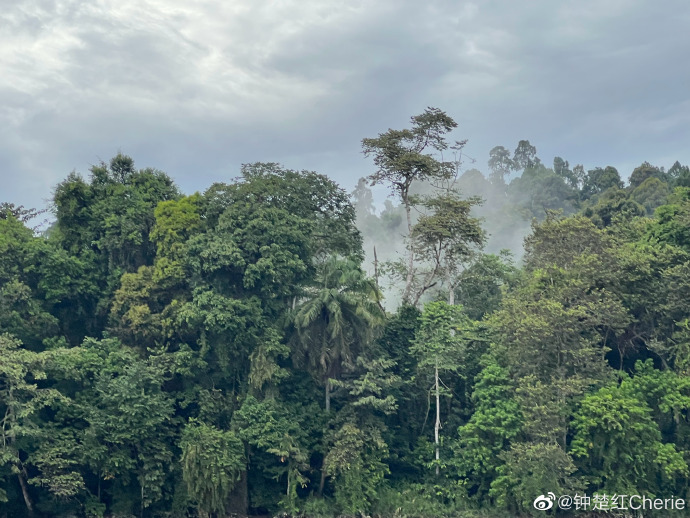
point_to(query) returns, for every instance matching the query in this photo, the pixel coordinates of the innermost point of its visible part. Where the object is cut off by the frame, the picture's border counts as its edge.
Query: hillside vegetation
(232, 351)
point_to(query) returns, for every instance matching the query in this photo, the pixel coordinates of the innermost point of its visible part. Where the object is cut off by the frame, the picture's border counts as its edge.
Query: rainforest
(471, 343)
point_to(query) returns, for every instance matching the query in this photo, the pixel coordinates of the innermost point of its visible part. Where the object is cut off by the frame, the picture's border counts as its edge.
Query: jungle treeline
(236, 352)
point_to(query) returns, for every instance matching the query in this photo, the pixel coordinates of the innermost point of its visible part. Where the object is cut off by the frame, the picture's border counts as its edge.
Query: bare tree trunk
(287, 491)
(25, 492)
(322, 482)
(410, 261)
(376, 280)
(437, 426)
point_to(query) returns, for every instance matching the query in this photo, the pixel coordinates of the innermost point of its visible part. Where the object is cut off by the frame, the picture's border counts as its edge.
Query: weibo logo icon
(544, 502)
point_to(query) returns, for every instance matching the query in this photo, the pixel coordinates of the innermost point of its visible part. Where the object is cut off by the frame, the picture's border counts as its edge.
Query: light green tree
(496, 422)
(212, 461)
(440, 345)
(357, 450)
(21, 400)
(620, 446)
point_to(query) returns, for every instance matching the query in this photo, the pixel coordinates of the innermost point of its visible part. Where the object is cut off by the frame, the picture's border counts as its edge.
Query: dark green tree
(357, 449)
(129, 438)
(612, 206)
(107, 223)
(679, 175)
(336, 321)
(651, 194)
(562, 168)
(599, 180)
(525, 156)
(481, 285)
(645, 171)
(500, 164)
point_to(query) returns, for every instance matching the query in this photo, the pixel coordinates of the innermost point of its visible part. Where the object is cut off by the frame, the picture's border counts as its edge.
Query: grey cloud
(197, 89)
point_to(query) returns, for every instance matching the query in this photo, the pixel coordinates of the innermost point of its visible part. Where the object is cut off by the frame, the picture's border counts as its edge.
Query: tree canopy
(274, 346)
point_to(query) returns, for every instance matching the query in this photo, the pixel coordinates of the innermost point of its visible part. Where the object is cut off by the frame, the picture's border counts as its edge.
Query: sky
(197, 88)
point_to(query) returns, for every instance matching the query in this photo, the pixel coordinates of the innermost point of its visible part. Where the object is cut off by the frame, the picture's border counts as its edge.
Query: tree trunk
(25, 493)
(238, 499)
(437, 426)
(410, 262)
(376, 280)
(451, 294)
(322, 482)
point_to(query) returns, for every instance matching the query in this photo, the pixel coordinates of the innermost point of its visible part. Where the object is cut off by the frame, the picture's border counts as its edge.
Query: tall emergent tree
(106, 223)
(500, 164)
(403, 158)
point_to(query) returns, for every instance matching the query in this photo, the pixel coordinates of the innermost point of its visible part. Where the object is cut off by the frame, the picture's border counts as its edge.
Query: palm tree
(335, 320)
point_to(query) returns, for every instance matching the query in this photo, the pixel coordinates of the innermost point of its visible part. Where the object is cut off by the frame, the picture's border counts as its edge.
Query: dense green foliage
(227, 351)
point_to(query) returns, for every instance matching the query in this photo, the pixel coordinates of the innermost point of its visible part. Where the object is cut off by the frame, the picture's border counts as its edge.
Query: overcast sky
(196, 88)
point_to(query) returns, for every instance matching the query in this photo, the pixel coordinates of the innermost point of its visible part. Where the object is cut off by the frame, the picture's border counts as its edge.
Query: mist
(517, 190)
